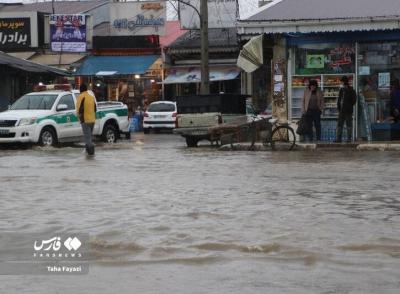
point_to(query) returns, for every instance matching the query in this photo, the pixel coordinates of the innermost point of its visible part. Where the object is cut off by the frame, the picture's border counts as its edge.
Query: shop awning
(251, 56)
(22, 55)
(180, 75)
(120, 65)
(28, 66)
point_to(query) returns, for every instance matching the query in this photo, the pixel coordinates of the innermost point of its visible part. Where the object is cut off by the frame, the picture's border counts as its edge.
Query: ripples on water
(273, 218)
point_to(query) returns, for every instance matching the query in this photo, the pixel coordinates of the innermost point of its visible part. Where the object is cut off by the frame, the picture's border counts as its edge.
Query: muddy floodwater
(166, 219)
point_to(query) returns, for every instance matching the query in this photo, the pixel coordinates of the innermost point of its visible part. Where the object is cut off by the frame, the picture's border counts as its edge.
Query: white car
(159, 115)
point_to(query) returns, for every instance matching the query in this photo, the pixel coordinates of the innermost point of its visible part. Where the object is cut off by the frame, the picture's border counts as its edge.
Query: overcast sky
(246, 7)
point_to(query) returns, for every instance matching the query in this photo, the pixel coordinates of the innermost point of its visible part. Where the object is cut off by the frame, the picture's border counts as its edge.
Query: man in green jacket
(86, 112)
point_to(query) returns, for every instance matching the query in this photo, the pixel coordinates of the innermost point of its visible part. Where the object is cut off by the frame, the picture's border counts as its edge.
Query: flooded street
(163, 218)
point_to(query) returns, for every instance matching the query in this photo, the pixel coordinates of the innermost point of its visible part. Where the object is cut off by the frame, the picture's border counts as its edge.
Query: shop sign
(315, 61)
(138, 18)
(384, 80)
(341, 56)
(152, 6)
(68, 32)
(221, 14)
(15, 33)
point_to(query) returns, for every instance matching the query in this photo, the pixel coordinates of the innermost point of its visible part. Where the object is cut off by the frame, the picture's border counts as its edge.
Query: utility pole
(205, 70)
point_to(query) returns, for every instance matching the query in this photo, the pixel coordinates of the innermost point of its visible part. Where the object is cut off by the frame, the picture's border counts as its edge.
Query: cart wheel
(283, 138)
(191, 142)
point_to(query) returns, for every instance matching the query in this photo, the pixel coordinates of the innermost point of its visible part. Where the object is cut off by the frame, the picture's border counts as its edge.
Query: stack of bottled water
(328, 130)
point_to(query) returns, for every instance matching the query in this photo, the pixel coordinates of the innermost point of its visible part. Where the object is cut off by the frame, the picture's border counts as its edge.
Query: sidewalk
(362, 146)
(377, 146)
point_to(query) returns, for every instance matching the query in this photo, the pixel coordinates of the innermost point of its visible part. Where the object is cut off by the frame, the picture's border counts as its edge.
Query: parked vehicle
(49, 117)
(198, 113)
(159, 115)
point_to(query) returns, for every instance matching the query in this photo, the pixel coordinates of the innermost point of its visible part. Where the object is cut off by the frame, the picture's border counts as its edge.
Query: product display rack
(330, 85)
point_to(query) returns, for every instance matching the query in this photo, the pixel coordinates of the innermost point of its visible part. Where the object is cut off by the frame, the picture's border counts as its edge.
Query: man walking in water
(86, 112)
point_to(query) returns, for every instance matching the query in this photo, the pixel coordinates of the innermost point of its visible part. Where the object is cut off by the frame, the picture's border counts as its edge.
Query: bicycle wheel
(283, 138)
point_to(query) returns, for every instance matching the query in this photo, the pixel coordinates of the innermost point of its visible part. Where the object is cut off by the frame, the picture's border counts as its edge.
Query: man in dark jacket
(345, 104)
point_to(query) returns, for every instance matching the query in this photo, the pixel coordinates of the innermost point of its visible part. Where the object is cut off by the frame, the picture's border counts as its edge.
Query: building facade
(360, 42)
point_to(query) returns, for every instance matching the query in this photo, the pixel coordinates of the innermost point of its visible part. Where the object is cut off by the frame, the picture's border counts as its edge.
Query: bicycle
(280, 136)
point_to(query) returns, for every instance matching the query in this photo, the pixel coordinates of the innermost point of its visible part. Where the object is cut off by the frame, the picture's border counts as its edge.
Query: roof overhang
(198, 50)
(28, 66)
(247, 29)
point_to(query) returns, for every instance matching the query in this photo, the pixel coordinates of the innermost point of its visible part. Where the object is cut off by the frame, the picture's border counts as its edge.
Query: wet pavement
(163, 218)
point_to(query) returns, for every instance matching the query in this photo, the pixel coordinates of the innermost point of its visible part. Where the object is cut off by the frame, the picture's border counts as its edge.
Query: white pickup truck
(49, 117)
(198, 114)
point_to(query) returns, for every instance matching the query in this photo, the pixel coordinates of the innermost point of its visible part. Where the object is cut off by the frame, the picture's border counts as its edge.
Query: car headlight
(27, 121)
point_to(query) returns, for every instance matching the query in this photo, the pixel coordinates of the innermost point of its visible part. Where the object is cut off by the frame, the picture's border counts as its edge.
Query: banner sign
(15, 33)
(180, 75)
(138, 18)
(68, 32)
(221, 14)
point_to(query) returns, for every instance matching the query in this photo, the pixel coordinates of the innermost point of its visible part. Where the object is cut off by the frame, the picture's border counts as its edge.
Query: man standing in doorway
(86, 112)
(345, 104)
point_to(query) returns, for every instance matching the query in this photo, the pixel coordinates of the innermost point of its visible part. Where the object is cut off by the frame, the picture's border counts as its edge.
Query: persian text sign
(68, 32)
(221, 14)
(138, 18)
(15, 33)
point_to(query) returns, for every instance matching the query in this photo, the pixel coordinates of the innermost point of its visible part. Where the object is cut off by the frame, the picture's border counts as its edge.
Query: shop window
(378, 76)
(324, 59)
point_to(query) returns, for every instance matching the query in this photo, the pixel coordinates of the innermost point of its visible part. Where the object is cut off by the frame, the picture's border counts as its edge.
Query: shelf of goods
(330, 86)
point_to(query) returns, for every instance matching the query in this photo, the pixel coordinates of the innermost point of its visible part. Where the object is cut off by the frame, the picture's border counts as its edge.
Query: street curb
(379, 147)
(317, 146)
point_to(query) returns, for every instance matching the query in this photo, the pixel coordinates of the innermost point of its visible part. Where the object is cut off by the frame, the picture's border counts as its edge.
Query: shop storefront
(326, 62)
(372, 64)
(129, 79)
(359, 41)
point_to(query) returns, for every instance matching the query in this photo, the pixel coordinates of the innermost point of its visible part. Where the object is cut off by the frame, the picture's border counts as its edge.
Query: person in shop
(395, 100)
(86, 112)
(312, 106)
(345, 104)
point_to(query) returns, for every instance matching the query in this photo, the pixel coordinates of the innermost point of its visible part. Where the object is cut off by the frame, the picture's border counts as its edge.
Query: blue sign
(141, 21)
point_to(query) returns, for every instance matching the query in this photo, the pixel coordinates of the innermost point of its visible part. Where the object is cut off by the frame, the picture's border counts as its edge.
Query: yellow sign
(152, 6)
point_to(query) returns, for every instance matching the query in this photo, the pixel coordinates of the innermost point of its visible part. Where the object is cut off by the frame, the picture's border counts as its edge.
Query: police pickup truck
(49, 118)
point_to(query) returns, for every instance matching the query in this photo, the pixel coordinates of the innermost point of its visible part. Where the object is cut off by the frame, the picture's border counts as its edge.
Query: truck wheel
(109, 134)
(191, 142)
(146, 130)
(48, 137)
